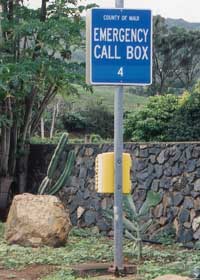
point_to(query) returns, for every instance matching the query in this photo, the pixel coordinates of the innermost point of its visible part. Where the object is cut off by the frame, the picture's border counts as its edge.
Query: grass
(106, 95)
(84, 246)
(101, 94)
(78, 250)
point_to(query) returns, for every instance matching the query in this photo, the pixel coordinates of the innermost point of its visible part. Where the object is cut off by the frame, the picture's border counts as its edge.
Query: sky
(186, 9)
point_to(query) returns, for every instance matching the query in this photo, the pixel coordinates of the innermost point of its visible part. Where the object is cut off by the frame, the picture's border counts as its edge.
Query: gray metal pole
(118, 150)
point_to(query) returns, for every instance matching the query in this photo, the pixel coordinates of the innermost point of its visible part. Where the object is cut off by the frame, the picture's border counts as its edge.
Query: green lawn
(101, 95)
(106, 95)
(85, 246)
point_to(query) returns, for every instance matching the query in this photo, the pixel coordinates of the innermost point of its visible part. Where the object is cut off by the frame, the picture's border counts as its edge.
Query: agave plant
(47, 186)
(196, 273)
(135, 227)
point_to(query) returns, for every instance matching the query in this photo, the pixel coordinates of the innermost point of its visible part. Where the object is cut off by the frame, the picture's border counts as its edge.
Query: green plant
(99, 119)
(33, 74)
(166, 236)
(54, 140)
(133, 219)
(185, 124)
(166, 118)
(46, 186)
(152, 122)
(83, 247)
(95, 138)
(1, 229)
(74, 121)
(134, 227)
(196, 273)
(94, 118)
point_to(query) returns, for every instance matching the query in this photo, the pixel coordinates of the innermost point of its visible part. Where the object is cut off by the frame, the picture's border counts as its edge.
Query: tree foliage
(152, 121)
(95, 118)
(185, 124)
(176, 57)
(166, 118)
(187, 45)
(35, 50)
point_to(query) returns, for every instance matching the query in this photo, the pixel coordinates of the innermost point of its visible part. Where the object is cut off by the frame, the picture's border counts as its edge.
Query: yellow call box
(104, 173)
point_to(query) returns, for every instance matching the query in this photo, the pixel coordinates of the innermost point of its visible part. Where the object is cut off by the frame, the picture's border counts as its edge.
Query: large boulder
(37, 220)
(172, 277)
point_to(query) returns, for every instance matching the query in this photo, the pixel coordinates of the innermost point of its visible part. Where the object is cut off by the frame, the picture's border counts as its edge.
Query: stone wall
(173, 169)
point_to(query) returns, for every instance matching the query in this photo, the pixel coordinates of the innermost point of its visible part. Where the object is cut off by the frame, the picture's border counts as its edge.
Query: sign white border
(89, 50)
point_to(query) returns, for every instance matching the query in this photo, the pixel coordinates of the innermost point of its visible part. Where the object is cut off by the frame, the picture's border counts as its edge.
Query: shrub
(185, 125)
(99, 119)
(152, 121)
(95, 138)
(166, 118)
(95, 118)
(74, 121)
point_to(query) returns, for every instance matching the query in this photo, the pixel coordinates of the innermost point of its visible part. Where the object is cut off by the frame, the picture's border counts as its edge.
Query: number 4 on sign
(121, 72)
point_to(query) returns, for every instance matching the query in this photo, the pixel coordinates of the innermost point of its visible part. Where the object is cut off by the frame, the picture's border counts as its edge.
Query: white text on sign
(127, 35)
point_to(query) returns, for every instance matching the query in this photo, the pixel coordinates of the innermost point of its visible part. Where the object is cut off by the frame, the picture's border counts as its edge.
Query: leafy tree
(95, 118)
(151, 123)
(35, 66)
(187, 45)
(185, 125)
(167, 118)
(99, 119)
(176, 57)
(74, 122)
(161, 55)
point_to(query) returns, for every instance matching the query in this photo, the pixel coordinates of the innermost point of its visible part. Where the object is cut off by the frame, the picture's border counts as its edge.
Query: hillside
(183, 23)
(105, 95)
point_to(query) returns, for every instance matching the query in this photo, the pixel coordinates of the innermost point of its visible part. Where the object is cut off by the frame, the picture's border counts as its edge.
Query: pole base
(103, 269)
(122, 272)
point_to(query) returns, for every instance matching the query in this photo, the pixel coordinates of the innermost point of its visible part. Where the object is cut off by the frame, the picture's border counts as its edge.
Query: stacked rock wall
(173, 169)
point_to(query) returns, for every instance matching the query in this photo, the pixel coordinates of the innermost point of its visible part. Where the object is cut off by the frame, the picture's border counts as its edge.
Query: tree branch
(29, 101)
(46, 100)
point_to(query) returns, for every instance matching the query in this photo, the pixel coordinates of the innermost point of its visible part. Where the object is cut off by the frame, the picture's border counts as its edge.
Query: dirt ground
(33, 272)
(98, 271)
(36, 272)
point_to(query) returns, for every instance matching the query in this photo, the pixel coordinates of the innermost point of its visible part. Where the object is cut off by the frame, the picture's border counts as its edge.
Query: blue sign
(120, 46)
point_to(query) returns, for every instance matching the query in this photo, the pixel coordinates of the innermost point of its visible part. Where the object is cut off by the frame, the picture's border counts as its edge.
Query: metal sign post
(118, 150)
(119, 52)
